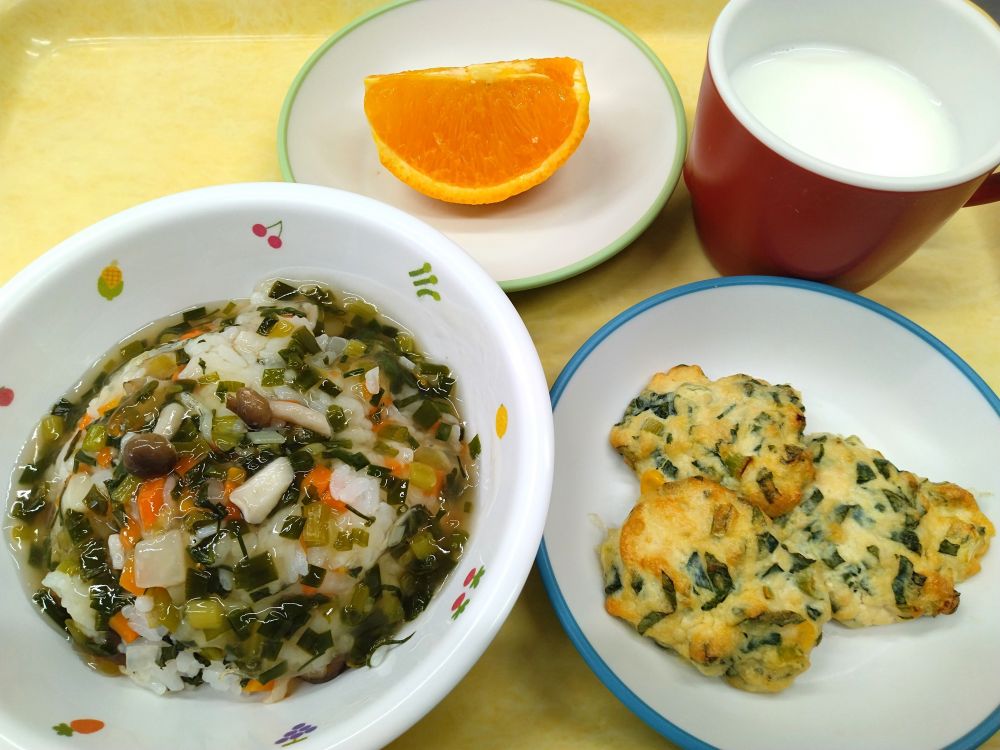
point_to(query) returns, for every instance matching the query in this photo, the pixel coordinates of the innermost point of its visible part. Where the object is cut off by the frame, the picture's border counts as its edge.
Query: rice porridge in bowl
(326, 452)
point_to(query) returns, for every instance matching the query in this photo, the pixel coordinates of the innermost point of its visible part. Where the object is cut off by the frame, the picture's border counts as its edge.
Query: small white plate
(862, 369)
(598, 202)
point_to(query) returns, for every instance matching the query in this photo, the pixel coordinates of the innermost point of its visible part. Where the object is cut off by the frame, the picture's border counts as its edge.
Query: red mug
(841, 198)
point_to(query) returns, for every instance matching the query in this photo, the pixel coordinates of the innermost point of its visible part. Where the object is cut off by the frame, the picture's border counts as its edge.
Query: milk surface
(850, 108)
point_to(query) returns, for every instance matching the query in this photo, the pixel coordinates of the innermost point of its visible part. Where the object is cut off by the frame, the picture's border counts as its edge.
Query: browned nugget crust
(893, 544)
(698, 570)
(739, 431)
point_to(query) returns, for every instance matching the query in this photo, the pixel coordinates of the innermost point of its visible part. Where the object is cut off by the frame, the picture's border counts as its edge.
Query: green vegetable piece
(315, 643)
(948, 548)
(475, 448)
(281, 290)
(426, 415)
(649, 621)
(884, 467)
(614, 584)
(272, 377)
(274, 672)
(305, 340)
(28, 503)
(337, 418)
(131, 350)
(292, 526)
(251, 573)
(766, 543)
(96, 438)
(778, 619)
(722, 582)
(329, 387)
(314, 577)
(800, 562)
(669, 590)
(443, 431)
(833, 560)
(873, 551)
(765, 480)
(864, 473)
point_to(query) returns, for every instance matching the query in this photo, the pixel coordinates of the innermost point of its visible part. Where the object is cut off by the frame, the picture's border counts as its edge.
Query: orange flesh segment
(481, 133)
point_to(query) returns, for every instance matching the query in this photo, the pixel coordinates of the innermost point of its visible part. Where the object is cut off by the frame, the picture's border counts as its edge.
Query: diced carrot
(105, 408)
(150, 500)
(256, 687)
(104, 457)
(84, 421)
(120, 625)
(130, 533)
(191, 334)
(186, 463)
(233, 513)
(319, 479)
(398, 468)
(309, 590)
(127, 579)
(177, 372)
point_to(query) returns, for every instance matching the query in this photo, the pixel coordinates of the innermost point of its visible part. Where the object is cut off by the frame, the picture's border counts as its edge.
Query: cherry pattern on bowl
(273, 239)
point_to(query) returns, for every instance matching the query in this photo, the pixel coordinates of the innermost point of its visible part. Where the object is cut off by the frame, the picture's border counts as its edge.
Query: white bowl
(198, 247)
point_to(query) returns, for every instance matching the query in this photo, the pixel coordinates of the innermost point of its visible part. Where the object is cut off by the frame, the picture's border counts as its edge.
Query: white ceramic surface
(196, 247)
(861, 370)
(601, 199)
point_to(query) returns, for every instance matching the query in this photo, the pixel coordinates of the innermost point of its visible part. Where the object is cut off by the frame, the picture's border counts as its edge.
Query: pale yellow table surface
(107, 103)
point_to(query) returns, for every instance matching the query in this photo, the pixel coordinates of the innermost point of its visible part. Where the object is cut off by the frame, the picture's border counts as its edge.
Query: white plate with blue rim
(862, 369)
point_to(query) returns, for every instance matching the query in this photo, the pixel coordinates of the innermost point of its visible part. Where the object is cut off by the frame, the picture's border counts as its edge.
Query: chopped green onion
(355, 372)
(292, 527)
(266, 437)
(475, 447)
(337, 418)
(194, 313)
(96, 437)
(383, 449)
(273, 377)
(209, 377)
(443, 431)
(281, 290)
(131, 350)
(302, 460)
(274, 672)
(330, 388)
(315, 643)
(205, 614)
(426, 414)
(314, 577)
(316, 532)
(251, 573)
(304, 338)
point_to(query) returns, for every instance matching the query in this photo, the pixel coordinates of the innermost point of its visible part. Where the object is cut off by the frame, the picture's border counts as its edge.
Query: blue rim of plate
(971, 739)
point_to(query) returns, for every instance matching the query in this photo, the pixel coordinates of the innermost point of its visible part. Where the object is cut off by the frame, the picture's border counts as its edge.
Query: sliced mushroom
(257, 496)
(251, 407)
(148, 455)
(289, 411)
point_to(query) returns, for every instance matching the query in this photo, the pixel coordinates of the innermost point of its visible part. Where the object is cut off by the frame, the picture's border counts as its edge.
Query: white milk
(850, 108)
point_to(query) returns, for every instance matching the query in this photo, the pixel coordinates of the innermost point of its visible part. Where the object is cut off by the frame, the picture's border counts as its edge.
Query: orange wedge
(481, 133)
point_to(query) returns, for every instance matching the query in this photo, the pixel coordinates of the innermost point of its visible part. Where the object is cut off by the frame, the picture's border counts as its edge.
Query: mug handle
(987, 192)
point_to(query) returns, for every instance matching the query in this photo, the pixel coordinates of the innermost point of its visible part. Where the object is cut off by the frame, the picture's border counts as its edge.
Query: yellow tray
(107, 104)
